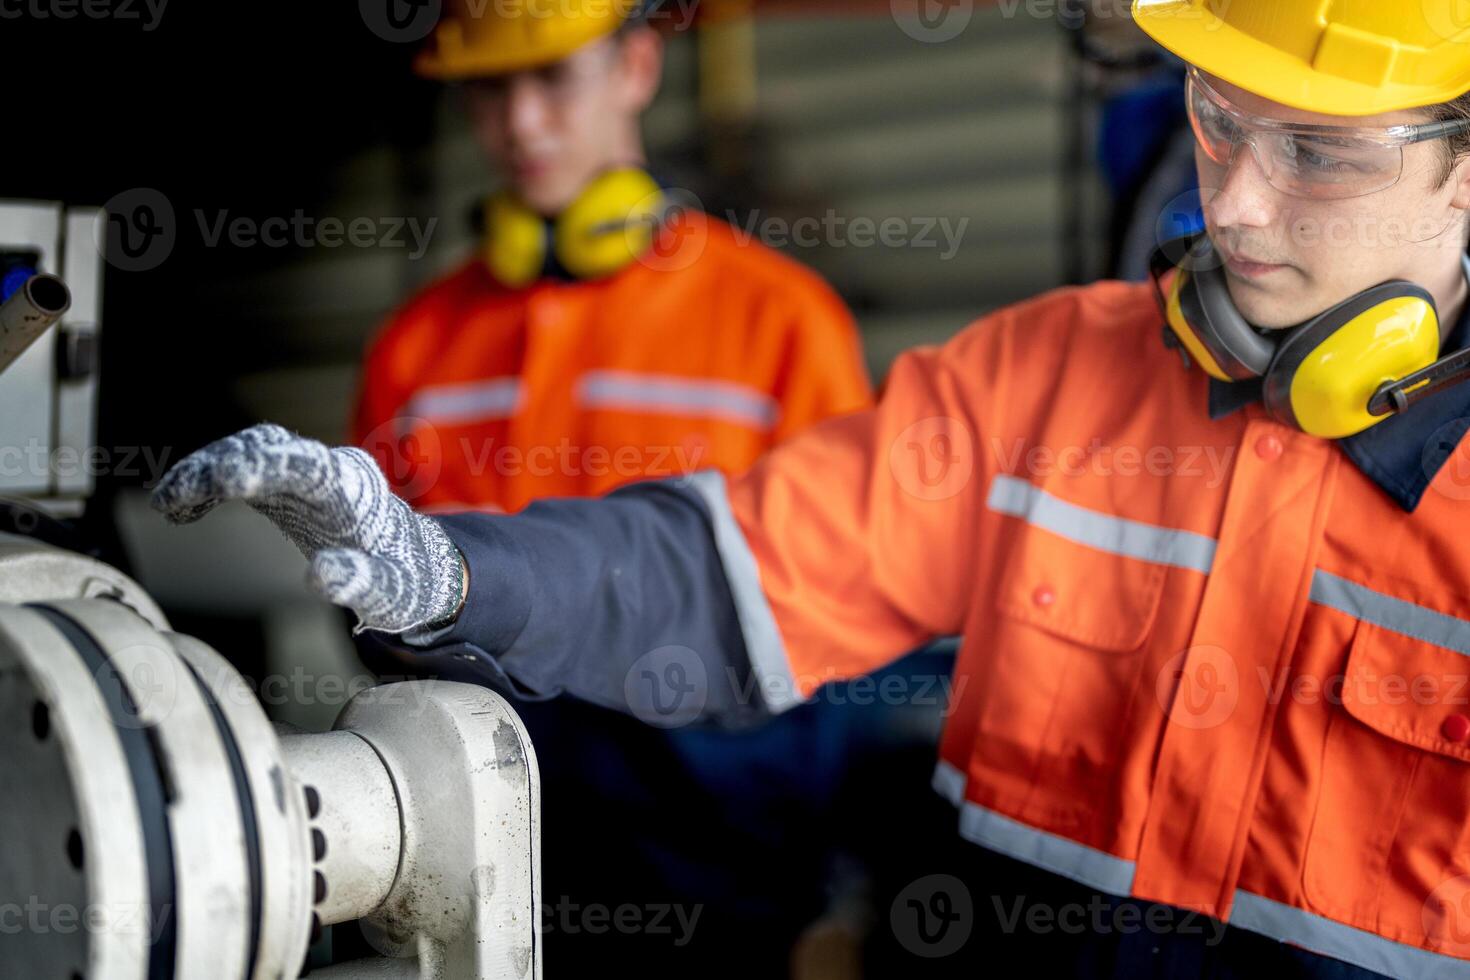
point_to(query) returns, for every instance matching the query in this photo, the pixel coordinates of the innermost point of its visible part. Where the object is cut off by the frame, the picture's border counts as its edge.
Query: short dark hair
(1458, 145)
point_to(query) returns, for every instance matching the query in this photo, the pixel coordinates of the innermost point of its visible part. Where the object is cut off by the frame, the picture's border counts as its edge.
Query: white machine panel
(27, 406)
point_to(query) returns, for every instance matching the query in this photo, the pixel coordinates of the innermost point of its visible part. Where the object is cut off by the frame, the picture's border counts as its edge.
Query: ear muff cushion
(1326, 370)
(515, 244)
(1184, 328)
(1239, 350)
(610, 224)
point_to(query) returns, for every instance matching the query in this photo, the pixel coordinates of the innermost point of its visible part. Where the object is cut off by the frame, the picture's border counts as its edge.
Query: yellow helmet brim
(1332, 68)
(509, 49)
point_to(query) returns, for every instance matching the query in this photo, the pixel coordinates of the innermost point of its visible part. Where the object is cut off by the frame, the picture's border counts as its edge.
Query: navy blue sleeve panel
(622, 601)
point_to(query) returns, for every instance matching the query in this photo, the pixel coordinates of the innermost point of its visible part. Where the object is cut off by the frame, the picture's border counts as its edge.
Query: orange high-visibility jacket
(704, 355)
(1212, 662)
(1205, 662)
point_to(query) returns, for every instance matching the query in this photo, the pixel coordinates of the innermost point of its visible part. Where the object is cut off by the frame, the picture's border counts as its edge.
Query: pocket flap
(1080, 593)
(1409, 689)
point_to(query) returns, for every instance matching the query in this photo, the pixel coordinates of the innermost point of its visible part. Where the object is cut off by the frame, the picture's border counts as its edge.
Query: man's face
(552, 129)
(1288, 258)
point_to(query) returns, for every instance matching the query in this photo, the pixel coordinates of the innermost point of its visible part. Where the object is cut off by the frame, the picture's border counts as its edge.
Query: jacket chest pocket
(1391, 828)
(1064, 659)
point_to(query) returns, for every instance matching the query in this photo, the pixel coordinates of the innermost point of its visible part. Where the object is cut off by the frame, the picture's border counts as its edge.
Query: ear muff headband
(610, 224)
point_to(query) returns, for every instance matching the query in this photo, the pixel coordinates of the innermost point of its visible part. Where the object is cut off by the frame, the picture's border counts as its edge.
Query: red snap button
(1043, 596)
(1269, 448)
(1456, 728)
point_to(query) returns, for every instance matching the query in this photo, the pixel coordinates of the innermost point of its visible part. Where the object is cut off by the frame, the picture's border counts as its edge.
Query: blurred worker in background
(604, 333)
(1209, 712)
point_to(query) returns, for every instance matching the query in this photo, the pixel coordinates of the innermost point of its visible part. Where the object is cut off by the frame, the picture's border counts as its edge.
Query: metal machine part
(157, 826)
(31, 571)
(48, 393)
(39, 302)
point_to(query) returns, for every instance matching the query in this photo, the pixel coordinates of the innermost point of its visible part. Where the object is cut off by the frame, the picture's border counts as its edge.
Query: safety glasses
(1324, 162)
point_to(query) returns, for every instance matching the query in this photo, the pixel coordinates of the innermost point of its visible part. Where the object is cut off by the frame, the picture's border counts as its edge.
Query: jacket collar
(1401, 454)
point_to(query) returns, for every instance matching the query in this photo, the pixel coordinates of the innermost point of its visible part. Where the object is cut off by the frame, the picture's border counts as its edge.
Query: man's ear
(643, 65)
(1460, 177)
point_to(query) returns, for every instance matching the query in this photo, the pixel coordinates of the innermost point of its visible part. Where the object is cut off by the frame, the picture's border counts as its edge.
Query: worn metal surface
(359, 820)
(31, 571)
(467, 897)
(63, 770)
(159, 823)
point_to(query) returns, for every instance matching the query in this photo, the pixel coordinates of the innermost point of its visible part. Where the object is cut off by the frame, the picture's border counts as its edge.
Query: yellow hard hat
(492, 37)
(1342, 57)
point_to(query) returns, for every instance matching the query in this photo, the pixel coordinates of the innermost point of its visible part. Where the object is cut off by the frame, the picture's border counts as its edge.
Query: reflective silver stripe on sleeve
(1288, 924)
(664, 394)
(1115, 535)
(1391, 613)
(473, 401)
(757, 623)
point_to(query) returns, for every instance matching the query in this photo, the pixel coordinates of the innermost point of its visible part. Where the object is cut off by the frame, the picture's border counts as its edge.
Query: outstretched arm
(621, 601)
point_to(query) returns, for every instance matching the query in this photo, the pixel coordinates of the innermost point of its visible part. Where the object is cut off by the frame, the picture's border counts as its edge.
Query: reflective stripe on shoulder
(1255, 913)
(762, 637)
(1399, 615)
(473, 401)
(1115, 535)
(665, 394)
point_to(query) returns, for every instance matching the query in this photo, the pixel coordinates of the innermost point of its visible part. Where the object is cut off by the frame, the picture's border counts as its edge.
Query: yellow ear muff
(1326, 371)
(515, 241)
(610, 224)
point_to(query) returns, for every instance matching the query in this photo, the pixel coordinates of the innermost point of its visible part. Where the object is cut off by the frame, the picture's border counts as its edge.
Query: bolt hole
(74, 848)
(40, 720)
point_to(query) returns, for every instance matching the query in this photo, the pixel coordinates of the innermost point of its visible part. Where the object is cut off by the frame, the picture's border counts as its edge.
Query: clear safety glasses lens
(1304, 163)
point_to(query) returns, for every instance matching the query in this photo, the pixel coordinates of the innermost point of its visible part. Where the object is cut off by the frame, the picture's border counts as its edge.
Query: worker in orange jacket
(607, 331)
(1212, 706)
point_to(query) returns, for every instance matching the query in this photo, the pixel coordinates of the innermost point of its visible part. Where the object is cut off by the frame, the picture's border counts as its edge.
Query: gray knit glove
(369, 551)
